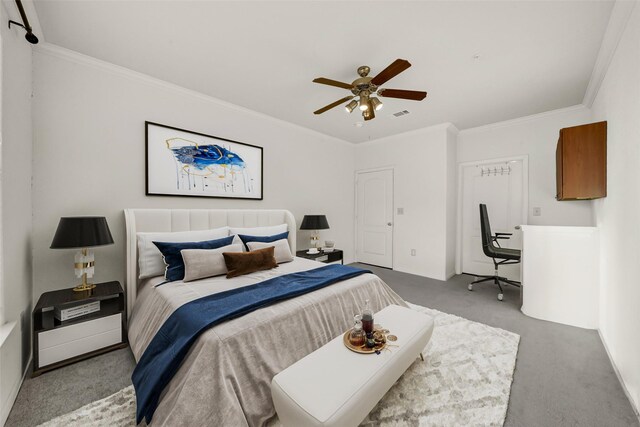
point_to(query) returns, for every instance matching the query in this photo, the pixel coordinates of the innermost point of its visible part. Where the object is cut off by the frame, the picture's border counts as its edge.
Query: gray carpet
(563, 376)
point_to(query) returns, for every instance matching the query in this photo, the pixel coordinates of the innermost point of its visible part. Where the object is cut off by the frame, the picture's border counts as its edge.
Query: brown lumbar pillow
(239, 263)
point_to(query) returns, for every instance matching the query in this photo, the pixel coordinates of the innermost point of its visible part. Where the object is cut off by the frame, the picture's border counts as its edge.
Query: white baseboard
(10, 353)
(14, 393)
(615, 369)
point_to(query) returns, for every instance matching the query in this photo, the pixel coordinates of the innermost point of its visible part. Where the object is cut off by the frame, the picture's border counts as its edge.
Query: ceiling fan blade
(403, 94)
(325, 81)
(398, 66)
(332, 105)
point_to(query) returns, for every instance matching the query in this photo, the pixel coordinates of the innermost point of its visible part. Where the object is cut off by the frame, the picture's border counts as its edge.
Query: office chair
(501, 256)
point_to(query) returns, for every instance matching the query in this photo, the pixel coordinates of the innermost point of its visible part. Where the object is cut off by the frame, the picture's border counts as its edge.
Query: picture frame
(184, 163)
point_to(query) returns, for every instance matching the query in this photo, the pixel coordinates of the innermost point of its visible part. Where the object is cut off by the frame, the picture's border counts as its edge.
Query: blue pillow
(173, 257)
(267, 239)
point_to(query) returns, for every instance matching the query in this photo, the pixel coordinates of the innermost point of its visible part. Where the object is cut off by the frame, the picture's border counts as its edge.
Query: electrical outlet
(413, 252)
(400, 211)
(537, 211)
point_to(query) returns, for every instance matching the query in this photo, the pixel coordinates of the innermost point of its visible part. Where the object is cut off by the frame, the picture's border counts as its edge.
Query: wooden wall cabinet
(581, 162)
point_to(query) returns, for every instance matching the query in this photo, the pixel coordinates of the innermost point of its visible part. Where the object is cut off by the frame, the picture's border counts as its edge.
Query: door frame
(393, 208)
(525, 198)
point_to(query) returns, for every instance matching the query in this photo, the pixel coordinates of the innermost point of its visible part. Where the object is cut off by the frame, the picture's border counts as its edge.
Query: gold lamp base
(83, 287)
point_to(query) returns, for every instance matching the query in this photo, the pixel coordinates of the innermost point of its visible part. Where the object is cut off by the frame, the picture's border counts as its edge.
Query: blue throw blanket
(168, 348)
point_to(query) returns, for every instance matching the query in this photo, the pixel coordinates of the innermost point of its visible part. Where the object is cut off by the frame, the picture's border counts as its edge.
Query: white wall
(89, 149)
(536, 137)
(420, 162)
(16, 204)
(617, 215)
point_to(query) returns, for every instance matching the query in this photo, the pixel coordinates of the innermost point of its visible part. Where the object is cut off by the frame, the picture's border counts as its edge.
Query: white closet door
(499, 185)
(374, 215)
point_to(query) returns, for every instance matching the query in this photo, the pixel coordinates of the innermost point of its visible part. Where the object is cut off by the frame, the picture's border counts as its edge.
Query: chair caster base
(470, 287)
(500, 296)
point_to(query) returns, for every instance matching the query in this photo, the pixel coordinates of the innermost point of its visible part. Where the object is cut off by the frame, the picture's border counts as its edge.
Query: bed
(227, 373)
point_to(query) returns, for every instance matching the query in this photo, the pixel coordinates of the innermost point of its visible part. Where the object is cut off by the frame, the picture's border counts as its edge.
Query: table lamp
(315, 223)
(82, 232)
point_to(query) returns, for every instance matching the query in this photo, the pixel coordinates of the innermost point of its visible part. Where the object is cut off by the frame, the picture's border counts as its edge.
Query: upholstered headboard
(167, 220)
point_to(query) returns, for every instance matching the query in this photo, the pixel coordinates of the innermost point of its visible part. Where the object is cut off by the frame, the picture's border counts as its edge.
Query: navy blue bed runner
(168, 348)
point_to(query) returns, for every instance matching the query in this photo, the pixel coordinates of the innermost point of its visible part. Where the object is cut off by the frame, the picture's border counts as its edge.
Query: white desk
(561, 274)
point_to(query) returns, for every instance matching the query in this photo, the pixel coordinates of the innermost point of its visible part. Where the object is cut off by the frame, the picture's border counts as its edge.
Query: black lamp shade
(314, 222)
(82, 232)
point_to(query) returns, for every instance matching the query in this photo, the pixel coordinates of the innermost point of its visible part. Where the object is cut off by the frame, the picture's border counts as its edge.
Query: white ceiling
(535, 56)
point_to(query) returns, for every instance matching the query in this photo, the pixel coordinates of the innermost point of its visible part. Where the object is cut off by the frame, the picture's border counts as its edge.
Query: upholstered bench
(334, 386)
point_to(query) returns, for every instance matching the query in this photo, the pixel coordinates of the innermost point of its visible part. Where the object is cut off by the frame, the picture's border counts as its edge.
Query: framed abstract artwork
(185, 163)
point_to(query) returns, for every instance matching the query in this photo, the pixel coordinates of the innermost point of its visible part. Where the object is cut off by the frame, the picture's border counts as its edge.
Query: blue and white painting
(185, 163)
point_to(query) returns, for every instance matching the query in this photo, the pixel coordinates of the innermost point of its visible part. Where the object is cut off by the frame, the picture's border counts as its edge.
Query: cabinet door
(583, 172)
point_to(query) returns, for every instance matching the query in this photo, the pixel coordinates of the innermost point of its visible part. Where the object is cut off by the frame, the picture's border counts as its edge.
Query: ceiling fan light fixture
(364, 102)
(368, 114)
(376, 104)
(351, 106)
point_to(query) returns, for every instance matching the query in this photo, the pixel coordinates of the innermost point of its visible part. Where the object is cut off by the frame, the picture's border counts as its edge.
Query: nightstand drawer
(79, 331)
(70, 341)
(66, 351)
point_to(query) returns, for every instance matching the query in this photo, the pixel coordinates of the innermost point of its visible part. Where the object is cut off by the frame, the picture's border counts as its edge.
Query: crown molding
(618, 20)
(441, 126)
(82, 59)
(524, 119)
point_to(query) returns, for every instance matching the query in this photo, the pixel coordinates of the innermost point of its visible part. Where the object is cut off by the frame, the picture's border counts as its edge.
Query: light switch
(400, 211)
(537, 211)
(413, 252)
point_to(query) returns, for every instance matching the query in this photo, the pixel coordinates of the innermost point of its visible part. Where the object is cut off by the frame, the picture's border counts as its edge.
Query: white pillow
(201, 263)
(281, 251)
(260, 231)
(238, 241)
(149, 257)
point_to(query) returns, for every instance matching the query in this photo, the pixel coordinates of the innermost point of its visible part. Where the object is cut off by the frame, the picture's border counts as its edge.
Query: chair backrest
(485, 229)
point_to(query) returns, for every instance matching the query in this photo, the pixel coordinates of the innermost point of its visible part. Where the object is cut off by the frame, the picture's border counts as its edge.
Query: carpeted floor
(563, 376)
(464, 380)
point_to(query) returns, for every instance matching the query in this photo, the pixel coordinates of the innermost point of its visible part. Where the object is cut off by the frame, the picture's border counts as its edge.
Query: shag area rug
(465, 380)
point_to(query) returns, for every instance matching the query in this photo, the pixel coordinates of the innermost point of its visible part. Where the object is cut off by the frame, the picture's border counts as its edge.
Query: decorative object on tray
(82, 232)
(313, 251)
(357, 337)
(328, 246)
(365, 337)
(375, 344)
(184, 163)
(367, 318)
(314, 223)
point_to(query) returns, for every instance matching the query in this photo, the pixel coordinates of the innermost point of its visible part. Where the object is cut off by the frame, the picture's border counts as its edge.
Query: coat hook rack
(31, 38)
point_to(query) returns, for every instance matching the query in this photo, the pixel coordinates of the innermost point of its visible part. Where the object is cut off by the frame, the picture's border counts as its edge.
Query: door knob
(389, 224)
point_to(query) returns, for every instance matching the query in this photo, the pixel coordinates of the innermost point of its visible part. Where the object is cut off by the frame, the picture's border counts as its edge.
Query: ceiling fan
(365, 87)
